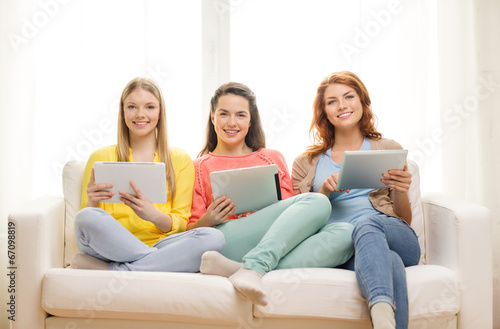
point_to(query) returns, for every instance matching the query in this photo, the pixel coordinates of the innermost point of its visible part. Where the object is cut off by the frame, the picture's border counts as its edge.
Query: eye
(131, 107)
(350, 96)
(151, 107)
(331, 102)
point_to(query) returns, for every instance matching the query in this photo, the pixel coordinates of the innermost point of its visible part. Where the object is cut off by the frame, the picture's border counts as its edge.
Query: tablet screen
(150, 177)
(364, 169)
(250, 189)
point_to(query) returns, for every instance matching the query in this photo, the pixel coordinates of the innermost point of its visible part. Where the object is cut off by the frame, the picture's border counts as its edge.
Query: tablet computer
(150, 177)
(250, 189)
(364, 169)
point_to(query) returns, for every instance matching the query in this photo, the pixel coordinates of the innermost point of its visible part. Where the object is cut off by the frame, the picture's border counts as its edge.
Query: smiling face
(343, 106)
(231, 120)
(141, 111)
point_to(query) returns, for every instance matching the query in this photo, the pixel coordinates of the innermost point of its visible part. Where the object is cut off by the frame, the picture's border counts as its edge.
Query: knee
(214, 238)
(398, 267)
(318, 199)
(343, 235)
(347, 230)
(319, 204)
(340, 230)
(86, 218)
(395, 259)
(366, 225)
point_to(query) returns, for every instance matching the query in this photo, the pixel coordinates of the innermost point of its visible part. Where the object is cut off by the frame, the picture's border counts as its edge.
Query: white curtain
(431, 68)
(469, 75)
(17, 96)
(388, 44)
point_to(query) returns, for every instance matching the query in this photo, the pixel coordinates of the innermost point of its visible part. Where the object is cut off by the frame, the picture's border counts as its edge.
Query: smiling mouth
(343, 115)
(141, 124)
(231, 132)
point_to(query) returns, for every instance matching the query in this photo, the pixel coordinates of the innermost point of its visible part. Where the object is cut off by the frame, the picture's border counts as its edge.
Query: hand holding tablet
(149, 177)
(97, 193)
(250, 189)
(364, 169)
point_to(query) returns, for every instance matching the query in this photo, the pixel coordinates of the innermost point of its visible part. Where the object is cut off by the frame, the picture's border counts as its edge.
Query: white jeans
(99, 235)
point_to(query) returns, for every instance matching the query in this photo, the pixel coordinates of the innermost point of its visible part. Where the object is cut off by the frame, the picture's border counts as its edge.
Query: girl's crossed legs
(111, 246)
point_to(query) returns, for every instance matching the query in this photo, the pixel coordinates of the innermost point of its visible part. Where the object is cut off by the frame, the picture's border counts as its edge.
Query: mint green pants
(288, 234)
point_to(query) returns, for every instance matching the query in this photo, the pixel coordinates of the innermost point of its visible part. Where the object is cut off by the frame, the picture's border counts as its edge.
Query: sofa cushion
(186, 297)
(334, 293)
(183, 297)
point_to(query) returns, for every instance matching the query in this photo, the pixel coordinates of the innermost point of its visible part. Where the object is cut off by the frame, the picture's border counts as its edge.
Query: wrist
(324, 191)
(162, 221)
(207, 220)
(91, 204)
(203, 221)
(400, 193)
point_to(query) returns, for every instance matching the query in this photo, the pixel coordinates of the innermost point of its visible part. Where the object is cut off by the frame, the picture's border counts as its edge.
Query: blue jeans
(99, 235)
(384, 246)
(288, 234)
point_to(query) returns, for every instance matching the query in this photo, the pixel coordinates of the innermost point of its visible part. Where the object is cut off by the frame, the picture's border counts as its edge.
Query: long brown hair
(322, 130)
(162, 145)
(255, 138)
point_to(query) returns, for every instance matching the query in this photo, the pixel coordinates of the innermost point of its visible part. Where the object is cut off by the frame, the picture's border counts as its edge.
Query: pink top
(202, 193)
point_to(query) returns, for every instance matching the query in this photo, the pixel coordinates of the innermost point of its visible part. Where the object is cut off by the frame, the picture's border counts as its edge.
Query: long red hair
(322, 130)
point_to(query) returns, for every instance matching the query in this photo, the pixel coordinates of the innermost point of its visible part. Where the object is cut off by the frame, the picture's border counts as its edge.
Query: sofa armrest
(38, 229)
(458, 236)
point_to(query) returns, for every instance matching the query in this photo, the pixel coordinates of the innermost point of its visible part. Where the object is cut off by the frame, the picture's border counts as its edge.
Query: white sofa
(451, 288)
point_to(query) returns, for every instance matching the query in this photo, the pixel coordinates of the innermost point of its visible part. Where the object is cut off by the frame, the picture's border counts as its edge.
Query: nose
(232, 121)
(342, 104)
(140, 112)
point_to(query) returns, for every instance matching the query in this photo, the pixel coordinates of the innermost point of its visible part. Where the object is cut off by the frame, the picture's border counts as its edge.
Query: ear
(212, 118)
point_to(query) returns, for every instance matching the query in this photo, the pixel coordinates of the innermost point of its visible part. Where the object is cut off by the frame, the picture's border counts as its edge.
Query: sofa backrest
(417, 210)
(72, 190)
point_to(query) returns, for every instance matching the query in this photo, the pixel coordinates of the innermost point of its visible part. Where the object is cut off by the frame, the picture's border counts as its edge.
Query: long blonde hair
(162, 145)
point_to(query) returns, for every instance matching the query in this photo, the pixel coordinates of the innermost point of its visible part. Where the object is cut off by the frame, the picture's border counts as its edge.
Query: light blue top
(346, 207)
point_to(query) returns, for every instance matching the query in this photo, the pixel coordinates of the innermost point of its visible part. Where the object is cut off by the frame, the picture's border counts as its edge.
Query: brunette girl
(286, 234)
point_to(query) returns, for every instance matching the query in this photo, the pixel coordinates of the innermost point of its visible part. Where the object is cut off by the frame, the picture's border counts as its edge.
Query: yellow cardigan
(179, 208)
